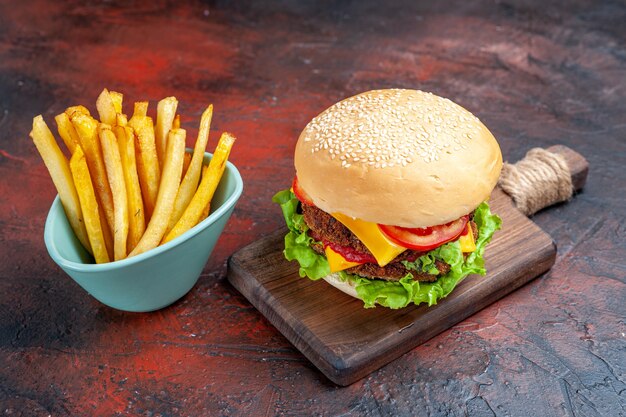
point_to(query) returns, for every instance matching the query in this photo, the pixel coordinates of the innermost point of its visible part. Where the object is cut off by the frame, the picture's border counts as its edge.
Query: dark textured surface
(537, 73)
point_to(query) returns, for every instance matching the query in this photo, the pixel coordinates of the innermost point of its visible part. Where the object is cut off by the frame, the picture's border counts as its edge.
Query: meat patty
(324, 227)
(393, 271)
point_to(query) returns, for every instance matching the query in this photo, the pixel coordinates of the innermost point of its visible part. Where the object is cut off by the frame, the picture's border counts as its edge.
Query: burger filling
(325, 230)
(406, 276)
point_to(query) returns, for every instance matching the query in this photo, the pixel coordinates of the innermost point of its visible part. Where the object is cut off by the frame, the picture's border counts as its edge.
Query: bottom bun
(345, 286)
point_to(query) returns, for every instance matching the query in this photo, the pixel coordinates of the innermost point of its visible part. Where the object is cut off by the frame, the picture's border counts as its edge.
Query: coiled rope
(539, 180)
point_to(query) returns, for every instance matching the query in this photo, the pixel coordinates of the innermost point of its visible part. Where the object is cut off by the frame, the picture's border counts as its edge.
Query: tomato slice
(299, 192)
(427, 238)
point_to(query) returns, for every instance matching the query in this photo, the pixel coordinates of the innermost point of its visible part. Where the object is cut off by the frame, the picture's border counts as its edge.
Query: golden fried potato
(87, 129)
(70, 111)
(205, 190)
(207, 209)
(166, 111)
(115, 175)
(141, 109)
(129, 185)
(136, 216)
(172, 167)
(67, 132)
(59, 170)
(186, 163)
(87, 197)
(121, 120)
(190, 183)
(117, 99)
(147, 161)
(106, 108)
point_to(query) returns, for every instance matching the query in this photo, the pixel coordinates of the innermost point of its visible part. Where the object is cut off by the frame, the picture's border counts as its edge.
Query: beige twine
(539, 180)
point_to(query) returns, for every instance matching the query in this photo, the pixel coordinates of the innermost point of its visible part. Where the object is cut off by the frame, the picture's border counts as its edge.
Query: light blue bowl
(154, 279)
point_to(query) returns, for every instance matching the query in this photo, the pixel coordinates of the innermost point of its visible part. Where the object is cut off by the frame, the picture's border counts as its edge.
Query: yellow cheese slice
(337, 262)
(382, 248)
(467, 241)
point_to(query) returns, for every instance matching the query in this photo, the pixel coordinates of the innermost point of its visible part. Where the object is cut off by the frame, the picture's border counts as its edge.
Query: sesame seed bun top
(398, 157)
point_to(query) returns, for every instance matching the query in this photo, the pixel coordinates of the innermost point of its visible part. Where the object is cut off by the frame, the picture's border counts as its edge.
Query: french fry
(186, 163)
(176, 122)
(189, 184)
(141, 109)
(115, 175)
(207, 209)
(67, 131)
(205, 190)
(86, 127)
(172, 167)
(205, 212)
(147, 161)
(166, 111)
(106, 108)
(70, 111)
(136, 220)
(59, 170)
(87, 197)
(117, 99)
(106, 232)
(121, 120)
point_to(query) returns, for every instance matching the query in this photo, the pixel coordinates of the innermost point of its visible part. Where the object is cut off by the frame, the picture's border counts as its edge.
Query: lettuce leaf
(392, 294)
(297, 241)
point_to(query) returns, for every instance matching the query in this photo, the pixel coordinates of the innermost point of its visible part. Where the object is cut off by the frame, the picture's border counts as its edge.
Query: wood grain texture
(346, 341)
(536, 73)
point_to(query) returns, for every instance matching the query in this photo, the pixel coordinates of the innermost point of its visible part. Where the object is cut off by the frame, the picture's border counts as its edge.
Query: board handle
(544, 177)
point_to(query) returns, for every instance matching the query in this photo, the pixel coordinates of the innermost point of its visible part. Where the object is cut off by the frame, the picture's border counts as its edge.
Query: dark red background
(537, 73)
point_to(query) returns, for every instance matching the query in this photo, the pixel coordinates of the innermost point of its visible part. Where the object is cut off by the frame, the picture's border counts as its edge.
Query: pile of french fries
(129, 185)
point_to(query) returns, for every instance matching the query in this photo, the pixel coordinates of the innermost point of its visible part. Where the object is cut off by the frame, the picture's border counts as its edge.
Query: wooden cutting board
(346, 341)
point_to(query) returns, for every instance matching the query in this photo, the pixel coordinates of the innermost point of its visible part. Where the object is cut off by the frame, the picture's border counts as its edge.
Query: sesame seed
(386, 128)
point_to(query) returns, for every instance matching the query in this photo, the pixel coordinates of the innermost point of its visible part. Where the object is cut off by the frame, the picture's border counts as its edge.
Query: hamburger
(389, 203)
